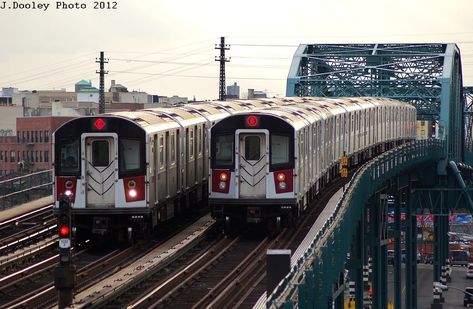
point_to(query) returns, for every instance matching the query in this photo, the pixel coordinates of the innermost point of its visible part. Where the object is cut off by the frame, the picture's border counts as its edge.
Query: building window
(28, 136)
(1, 156)
(40, 136)
(23, 156)
(6, 156)
(46, 136)
(46, 156)
(32, 155)
(35, 136)
(18, 137)
(12, 156)
(18, 156)
(23, 137)
(36, 156)
(40, 156)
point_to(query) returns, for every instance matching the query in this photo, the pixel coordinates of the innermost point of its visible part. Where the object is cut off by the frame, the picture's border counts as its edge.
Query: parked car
(468, 298)
(458, 257)
(469, 271)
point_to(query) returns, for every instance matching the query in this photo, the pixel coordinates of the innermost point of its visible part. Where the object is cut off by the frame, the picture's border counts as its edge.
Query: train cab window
(100, 153)
(279, 149)
(224, 150)
(252, 148)
(69, 154)
(130, 153)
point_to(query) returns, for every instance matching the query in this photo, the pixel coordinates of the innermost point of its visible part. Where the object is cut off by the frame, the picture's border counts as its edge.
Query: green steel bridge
(432, 175)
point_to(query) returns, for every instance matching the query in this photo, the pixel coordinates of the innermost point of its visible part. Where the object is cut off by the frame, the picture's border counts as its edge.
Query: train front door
(253, 159)
(100, 169)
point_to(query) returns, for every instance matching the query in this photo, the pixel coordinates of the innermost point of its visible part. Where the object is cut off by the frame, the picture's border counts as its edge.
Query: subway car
(126, 172)
(268, 164)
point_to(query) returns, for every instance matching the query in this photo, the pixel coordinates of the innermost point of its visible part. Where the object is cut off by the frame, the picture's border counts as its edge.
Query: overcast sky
(166, 47)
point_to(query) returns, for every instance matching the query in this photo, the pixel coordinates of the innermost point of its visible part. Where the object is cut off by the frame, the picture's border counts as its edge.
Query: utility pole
(222, 60)
(102, 73)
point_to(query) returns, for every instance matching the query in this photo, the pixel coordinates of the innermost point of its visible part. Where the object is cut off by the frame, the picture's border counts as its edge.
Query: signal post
(65, 274)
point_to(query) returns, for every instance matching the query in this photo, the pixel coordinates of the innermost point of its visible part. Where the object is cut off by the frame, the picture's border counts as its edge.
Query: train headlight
(223, 176)
(222, 185)
(281, 177)
(132, 193)
(68, 192)
(282, 185)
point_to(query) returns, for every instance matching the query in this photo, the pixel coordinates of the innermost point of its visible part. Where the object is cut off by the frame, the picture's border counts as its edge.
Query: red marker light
(252, 121)
(99, 124)
(64, 231)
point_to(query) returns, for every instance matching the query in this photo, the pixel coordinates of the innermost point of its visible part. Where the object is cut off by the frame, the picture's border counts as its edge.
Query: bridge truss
(426, 75)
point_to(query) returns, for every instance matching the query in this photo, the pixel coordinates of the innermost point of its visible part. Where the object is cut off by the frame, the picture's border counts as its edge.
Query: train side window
(173, 148)
(191, 143)
(252, 148)
(279, 149)
(130, 155)
(69, 153)
(100, 153)
(199, 140)
(161, 151)
(224, 150)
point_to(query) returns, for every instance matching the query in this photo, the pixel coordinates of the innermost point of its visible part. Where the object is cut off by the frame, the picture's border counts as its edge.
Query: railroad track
(27, 256)
(9, 228)
(26, 229)
(229, 273)
(34, 288)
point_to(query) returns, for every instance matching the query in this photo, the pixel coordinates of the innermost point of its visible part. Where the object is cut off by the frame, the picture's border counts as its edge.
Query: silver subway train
(268, 164)
(126, 172)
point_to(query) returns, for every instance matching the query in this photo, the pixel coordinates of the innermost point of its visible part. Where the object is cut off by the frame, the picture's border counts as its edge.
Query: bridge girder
(427, 76)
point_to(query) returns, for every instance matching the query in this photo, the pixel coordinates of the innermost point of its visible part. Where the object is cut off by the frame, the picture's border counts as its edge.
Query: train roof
(299, 111)
(293, 109)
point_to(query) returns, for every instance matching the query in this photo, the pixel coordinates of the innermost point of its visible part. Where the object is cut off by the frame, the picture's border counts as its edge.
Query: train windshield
(279, 149)
(224, 150)
(130, 155)
(69, 156)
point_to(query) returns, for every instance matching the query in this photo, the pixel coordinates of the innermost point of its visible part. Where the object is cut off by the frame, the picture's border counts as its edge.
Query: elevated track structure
(432, 176)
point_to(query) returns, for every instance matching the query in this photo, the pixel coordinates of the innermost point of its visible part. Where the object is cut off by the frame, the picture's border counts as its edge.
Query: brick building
(30, 150)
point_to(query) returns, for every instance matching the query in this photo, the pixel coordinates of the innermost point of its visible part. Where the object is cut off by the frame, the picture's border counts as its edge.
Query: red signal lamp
(99, 123)
(252, 121)
(64, 231)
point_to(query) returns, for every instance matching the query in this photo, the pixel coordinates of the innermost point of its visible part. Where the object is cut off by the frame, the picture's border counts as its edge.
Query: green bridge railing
(306, 284)
(25, 188)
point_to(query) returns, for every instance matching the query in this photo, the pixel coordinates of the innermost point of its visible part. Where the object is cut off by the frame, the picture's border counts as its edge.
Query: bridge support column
(379, 242)
(440, 235)
(356, 261)
(411, 250)
(397, 250)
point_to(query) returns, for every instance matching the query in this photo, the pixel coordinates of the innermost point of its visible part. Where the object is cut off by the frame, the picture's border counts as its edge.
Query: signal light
(252, 121)
(64, 231)
(99, 123)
